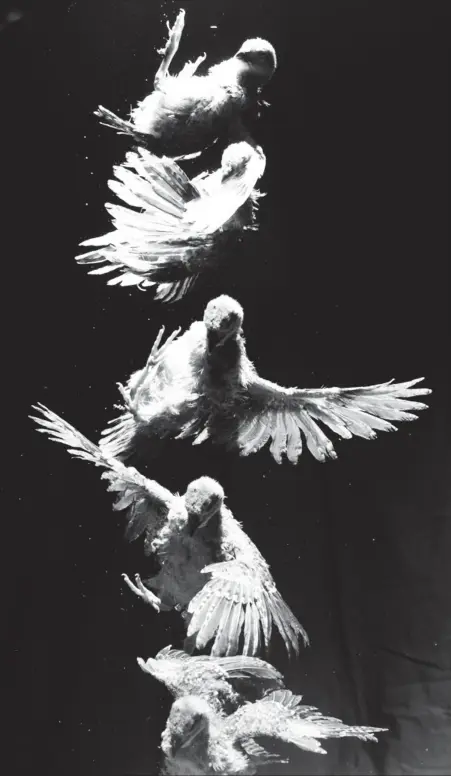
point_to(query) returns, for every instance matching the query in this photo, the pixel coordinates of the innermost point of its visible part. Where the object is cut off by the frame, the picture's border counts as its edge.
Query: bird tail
(109, 119)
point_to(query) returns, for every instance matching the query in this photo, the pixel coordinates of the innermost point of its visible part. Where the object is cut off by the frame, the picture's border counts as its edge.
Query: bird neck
(224, 360)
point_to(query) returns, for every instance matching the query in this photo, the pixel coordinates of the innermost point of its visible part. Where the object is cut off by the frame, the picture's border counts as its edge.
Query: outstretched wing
(281, 715)
(288, 416)
(236, 601)
(147, 503)
(234, 666)
(153, 241)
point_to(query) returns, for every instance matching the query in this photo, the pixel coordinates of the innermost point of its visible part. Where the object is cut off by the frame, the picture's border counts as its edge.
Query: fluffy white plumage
(225, 682)
(210, 570)
(203, 385)
(181, 227)
(188, 112)
(200, 741)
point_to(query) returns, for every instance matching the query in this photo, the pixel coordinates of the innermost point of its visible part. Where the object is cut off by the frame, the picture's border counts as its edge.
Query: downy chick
(203, 385)
(187, 112)
(210, 570)
(199, 741)
(183, 227)
(225, 682)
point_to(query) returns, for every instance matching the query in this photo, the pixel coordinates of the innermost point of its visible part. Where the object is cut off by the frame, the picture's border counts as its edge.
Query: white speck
(213, 26)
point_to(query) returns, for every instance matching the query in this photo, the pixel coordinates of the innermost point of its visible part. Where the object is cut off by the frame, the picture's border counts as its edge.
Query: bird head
(203, 498)
(259, 59)
(223, 318)
(187, 726)
(237, 157)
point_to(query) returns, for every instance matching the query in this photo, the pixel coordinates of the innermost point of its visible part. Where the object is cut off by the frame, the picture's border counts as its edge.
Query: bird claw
(142, 592)
(175, 32)
(157, 353)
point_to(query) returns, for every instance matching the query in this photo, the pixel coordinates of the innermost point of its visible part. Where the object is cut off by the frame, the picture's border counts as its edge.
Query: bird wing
(238, 600)
(289, 415)
(147, 502)
(233, 666)
(162, 393)
(153, 240)
(226, 190)
(281, 715)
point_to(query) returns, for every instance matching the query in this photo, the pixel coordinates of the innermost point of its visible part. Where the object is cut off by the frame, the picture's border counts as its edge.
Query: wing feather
(290, 416)
(147, 502)
(234, 666)
(281, 715)
(238, 601)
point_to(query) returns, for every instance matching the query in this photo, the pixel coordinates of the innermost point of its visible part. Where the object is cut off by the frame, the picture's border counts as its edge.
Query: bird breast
(189, 113)
(222, 383)
(183, 559)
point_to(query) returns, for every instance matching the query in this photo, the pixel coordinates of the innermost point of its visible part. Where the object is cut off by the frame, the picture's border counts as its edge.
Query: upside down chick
(188, 112)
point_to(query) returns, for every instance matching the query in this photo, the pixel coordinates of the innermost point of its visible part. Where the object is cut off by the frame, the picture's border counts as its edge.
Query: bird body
(210, 570)
(213, 391)
(188, 112)
(182, 228)
(204, 741)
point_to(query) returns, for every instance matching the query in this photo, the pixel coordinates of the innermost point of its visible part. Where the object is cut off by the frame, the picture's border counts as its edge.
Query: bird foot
(190, 68)
(169, 51)
(142, 592)
(157, 353)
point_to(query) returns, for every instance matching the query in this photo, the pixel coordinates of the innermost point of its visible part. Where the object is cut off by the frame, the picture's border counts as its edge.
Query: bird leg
(156, 354)
(143, 592)
(169, 51)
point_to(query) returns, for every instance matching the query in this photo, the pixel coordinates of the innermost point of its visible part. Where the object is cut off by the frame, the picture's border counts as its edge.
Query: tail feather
(109, 119)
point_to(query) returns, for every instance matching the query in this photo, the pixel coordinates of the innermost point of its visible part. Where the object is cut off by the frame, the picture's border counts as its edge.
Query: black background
(345, 283)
